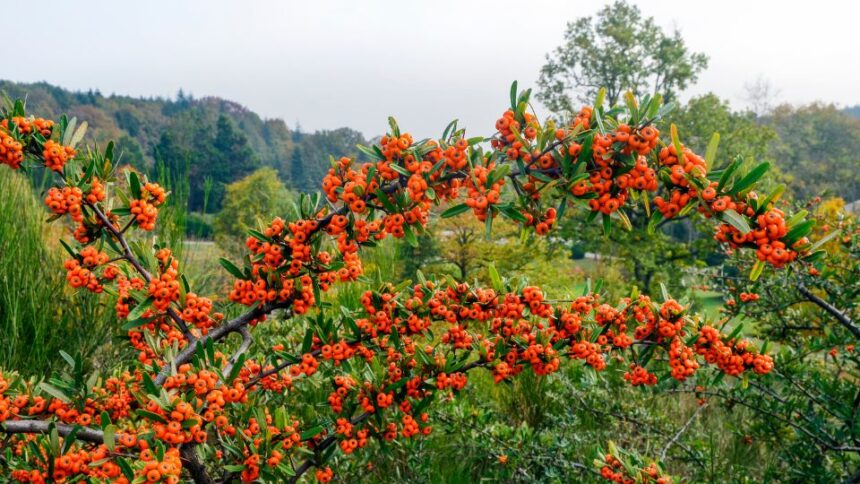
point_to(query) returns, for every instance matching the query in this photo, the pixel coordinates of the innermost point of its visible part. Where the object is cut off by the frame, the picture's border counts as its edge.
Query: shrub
(325, 382)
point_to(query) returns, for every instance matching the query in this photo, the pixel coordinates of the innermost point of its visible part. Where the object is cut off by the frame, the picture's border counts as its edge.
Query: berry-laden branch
(185, 405)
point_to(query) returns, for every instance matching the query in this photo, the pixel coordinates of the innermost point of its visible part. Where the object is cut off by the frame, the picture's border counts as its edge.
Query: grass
(39, 314)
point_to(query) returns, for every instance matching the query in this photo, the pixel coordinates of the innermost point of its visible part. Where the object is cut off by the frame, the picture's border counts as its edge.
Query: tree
(619, 50)
(817, 148)
(740, 132)
(197, 403)
(297, 168)
(761, 95)
(204, 152)
(248, 203)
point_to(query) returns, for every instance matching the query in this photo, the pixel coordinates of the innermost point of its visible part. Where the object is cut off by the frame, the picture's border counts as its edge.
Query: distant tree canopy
(620, 50)
(250, 201)
(818, 147)
(195, 141)
(221, 154)
(741, 133)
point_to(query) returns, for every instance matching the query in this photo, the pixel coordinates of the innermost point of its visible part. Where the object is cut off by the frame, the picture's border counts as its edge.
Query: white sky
(353, 63)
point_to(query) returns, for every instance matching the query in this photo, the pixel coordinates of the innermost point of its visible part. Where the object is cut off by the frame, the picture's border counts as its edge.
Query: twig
(843, 319)
(680, 432)
(129, 256)
(218, 334)
(86, 434)
(194, 466)
(246, 343)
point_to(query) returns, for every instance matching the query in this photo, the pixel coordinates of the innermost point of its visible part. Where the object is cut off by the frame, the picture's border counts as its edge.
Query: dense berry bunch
(56, 155)
(11, 150)
(145, 208)
(612, 469)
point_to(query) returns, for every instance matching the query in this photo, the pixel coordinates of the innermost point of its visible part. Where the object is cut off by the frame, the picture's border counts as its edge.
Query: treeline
(203, 144)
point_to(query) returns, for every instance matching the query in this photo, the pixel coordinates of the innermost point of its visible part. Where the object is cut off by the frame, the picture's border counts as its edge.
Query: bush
(315, 366)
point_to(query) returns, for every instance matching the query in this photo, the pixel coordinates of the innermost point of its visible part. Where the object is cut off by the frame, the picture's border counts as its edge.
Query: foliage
(200, 137)
(248, 203)
(38, 316)
(741, 134)
(196, 401)
(807, 410)
(817, 148)
(620, 51)
(462, 248)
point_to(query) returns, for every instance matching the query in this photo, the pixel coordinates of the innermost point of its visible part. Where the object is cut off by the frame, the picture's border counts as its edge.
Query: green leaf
(395, 129)
(237, 367)
(69, 440)
(711, 152)
(757, 269)
(54, 392)
(497, 174)
(399, 169)
(751, 178)
(409, 235)
(136, 323)
(450, 129)
(308, 340)
(231, 268)
(736, 220)
(653, 106)
(630, 100)
(814, 256)
(676, 141)
(607, 225)
(312, 432)
(68, 249)
(514, 96)
(373, 154)
(134, 185)
(495, 278)
(141, 308)
(601, 97)
(109, 437)
(665, 292)
(737, 331)
(820, 242)
(383, 199)
(512, 213)
(772, 198)
(69, 359)
(655, 220)
(125, 468)
(455, 210)
(151, 416)
(729, 171)
(78, 135)
(796, 218)
(69, 131)
(798, 232)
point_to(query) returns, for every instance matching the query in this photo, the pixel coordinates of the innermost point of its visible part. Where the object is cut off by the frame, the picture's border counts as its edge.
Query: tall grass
(39, 314)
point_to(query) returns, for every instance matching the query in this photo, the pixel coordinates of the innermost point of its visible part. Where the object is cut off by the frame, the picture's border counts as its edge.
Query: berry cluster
(56, 155)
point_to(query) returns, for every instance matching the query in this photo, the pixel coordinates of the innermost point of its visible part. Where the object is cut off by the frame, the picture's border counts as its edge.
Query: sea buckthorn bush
(198, 405)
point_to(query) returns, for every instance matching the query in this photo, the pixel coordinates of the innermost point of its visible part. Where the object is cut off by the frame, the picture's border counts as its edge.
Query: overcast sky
(353, 63)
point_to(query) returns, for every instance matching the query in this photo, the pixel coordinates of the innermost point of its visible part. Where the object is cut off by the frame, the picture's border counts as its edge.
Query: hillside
(211, 142)
(201, 139)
